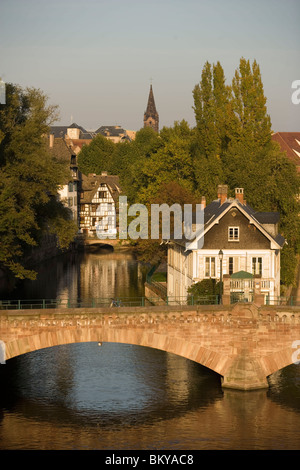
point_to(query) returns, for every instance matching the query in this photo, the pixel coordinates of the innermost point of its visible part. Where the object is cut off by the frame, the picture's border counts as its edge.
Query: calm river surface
(118, 396)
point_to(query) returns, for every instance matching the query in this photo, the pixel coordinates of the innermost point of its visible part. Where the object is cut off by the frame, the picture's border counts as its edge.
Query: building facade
(68, 192)
(99, 198)
(237, 243)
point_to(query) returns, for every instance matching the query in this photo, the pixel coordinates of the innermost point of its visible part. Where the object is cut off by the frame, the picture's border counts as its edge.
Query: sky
(95, 59)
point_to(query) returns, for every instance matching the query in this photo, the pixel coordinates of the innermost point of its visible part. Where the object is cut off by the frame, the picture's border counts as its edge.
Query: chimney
(203, 201)
(51, 140)
(239, 195)
(222, 193)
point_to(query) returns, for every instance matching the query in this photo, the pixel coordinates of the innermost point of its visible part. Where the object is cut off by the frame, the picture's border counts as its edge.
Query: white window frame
(233, 234)
(257, 266)
(212, 267)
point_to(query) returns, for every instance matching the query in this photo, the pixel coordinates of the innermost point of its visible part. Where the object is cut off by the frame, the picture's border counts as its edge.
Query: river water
(119, 396)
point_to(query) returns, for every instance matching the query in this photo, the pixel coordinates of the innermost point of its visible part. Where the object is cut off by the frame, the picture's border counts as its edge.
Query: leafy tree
(97, 156)
(212, 106)
(29, 179)
(146, 141)
(253, 125)
(204, 288)
(154, 251)
(212, 112)
(171, 162)
(130, 158)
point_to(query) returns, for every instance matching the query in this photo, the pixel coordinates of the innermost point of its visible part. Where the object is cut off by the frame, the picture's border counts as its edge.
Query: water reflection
(82, 276)
(285, 387)
(129, 397)
(116, 384)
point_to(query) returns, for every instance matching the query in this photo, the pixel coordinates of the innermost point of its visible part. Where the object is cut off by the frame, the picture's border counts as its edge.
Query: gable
(247, 235)
(102, 194)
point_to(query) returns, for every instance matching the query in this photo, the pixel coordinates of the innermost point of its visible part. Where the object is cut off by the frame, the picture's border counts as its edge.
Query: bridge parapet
(244, 343)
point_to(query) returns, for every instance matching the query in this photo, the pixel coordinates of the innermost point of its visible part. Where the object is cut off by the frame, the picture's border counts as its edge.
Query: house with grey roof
(236, 244)
(78, 136)
(73, 131)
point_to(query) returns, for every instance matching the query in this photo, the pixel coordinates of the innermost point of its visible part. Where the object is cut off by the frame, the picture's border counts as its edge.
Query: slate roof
(112, 131)
(61, 131)
(215, 210)
(107, 131)
(61, 150)
(90, 185)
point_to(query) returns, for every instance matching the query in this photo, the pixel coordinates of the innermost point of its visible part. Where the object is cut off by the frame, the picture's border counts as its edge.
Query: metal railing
(37, 304)
(288, 301)
(32, 304)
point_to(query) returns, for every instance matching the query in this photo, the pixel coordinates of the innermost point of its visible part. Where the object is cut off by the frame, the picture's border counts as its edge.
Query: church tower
(151, 118)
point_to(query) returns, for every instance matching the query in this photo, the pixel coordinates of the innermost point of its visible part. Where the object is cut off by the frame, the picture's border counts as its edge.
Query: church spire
(151, 118)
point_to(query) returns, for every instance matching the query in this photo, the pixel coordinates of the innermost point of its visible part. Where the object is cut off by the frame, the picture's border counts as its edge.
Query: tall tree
(29, 179)
(212, 114)
(130, 158)
(249, 105)
(255, 162)
(171, 162)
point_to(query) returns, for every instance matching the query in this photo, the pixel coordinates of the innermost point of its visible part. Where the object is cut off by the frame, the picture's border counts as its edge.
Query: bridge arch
(244, 344)
(160, 341)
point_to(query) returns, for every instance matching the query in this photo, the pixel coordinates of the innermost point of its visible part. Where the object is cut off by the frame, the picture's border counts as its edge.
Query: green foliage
(253, 124)
(205, 288)
(159, 277)
(288, 266)
(138, 152)
(212, 110)
(29, 178)
(154, 251)
(171, 162)
(97, 156)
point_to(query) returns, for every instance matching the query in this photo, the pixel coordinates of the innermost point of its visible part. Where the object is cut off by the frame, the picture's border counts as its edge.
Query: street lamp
(221, 274)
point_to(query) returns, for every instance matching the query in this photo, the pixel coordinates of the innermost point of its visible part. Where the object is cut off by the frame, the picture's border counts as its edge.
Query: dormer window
(233, 234)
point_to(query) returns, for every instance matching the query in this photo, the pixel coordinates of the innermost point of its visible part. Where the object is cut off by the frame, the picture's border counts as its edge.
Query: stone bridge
(243, 343)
